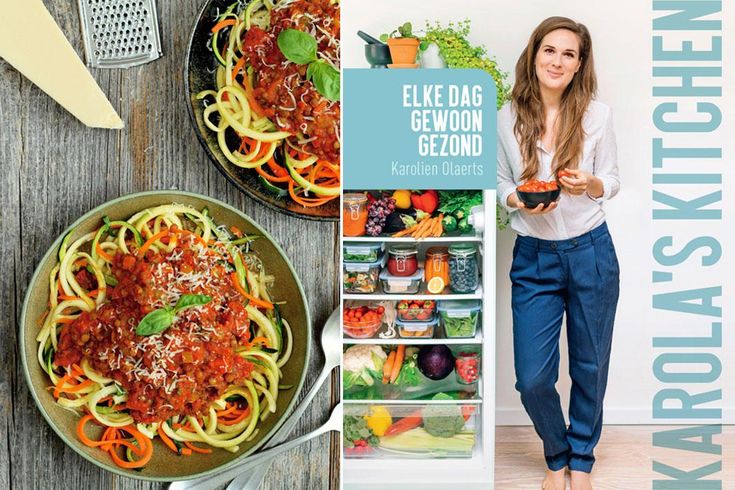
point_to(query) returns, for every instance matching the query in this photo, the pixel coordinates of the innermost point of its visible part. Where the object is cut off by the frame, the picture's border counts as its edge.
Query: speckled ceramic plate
(165, 465)
(199, 74)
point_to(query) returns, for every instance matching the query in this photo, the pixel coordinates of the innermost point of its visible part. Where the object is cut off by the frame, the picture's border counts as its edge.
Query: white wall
(621, 34)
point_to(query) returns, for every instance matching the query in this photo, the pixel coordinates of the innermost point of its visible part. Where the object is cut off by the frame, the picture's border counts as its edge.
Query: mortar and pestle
(377, 52)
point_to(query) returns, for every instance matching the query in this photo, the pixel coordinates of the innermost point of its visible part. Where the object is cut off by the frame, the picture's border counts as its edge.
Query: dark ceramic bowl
(378, 54)
(199, 74)
(533, 199)
(165, 465)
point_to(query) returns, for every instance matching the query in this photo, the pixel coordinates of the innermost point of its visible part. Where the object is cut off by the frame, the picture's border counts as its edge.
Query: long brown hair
(530, 112)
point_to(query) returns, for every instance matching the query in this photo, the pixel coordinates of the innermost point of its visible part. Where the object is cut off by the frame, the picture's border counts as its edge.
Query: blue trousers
(579, 277)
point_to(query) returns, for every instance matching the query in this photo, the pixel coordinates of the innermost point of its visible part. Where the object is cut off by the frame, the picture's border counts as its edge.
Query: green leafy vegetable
(159, 320)
(301, 48)
(409, 375)
(325, 78)
(297, 46)
(450, 202)
(356, 429)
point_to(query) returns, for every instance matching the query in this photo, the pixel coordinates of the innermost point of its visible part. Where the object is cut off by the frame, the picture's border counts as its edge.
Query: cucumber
(279, 192)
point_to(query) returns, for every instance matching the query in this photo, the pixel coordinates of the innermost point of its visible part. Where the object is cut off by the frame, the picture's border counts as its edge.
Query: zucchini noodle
(162, 256)
(265, 111)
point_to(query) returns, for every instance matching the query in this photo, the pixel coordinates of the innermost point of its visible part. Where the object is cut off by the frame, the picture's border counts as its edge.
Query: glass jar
(467, 367)
(354, 214)
(402, 260)
(464, 273)
(436, 265)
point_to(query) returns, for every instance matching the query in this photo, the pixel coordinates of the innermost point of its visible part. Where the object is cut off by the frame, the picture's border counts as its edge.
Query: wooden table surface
(54, 169)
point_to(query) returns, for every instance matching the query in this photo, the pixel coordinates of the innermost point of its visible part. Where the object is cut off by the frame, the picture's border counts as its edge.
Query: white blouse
(575, 215)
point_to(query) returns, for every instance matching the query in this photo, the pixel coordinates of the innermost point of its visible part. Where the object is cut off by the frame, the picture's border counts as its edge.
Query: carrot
(257, 302)
(78, 387)
(249, 93)
(237, 419)
(60, 384)
(405, 424)
(102, 253)
(167, 440)
(153, 240)
(64, 297)
(222, 24)
(398, 363)
(260, 340)
(420, 228)
(238, 66)
(197, 449)
(271, 178)
(388, 366)
(405, 232)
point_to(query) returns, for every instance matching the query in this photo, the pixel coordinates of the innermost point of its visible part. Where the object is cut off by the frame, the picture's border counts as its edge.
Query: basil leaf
(297, 46)
(189, 300)
(155, 322)
(325, 78)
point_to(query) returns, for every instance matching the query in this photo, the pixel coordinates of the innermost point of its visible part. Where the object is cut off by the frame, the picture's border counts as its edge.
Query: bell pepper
(426, 201)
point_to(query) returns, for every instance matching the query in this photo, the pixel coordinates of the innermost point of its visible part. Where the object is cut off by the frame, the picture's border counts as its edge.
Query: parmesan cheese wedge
(33, 43)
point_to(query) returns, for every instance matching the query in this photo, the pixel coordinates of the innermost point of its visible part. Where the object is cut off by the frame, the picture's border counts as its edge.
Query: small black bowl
(378, 55)
(533, 199)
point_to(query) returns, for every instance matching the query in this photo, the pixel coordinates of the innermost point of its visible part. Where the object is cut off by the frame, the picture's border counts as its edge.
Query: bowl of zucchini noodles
(263, 92)
(165, 336)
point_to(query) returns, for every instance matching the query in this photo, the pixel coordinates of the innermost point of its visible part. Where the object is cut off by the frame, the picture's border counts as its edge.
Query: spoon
(207, 483)
(332, 349)
(368, 38)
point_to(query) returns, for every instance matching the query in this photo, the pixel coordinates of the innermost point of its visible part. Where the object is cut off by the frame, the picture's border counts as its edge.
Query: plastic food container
(362, 329)
(354, 214)
(377, 431)
(467, 366)
(415, 330)
(401, 285)
(436, 265)
(459, 317)
(361, 277)
(361, 252)
(464, 273)
(415, 311)
(403, 260)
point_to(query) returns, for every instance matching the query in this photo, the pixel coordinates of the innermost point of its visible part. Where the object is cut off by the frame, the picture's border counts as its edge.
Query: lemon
(435, 285)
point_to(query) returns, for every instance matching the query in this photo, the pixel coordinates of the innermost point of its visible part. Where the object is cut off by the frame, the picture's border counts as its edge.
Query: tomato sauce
(281, 87)
(183, 369)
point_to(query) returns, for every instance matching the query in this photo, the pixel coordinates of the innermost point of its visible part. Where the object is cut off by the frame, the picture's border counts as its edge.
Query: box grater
(119, 33)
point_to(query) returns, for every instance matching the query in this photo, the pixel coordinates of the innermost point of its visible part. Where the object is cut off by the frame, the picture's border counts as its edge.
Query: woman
(563, 259)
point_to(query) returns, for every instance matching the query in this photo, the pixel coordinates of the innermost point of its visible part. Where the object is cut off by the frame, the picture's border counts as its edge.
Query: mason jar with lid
(464, 273)
(403, 260)
(354, 214)
(436, 265)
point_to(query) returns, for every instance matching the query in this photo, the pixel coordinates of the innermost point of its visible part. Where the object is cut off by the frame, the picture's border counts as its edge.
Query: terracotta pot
(403, 50)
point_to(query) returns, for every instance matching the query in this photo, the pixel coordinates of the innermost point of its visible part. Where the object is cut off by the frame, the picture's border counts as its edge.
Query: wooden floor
(625, 458)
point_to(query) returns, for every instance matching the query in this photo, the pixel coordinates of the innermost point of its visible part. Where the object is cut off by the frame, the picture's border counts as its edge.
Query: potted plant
(403, 44)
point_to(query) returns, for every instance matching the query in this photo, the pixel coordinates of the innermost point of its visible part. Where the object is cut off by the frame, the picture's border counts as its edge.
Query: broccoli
(443, 420)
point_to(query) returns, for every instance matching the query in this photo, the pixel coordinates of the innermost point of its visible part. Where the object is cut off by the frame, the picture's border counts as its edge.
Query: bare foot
(554, 480)
(581, 480)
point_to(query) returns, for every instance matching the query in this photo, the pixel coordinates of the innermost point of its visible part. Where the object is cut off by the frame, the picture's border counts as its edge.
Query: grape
(377, 214)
